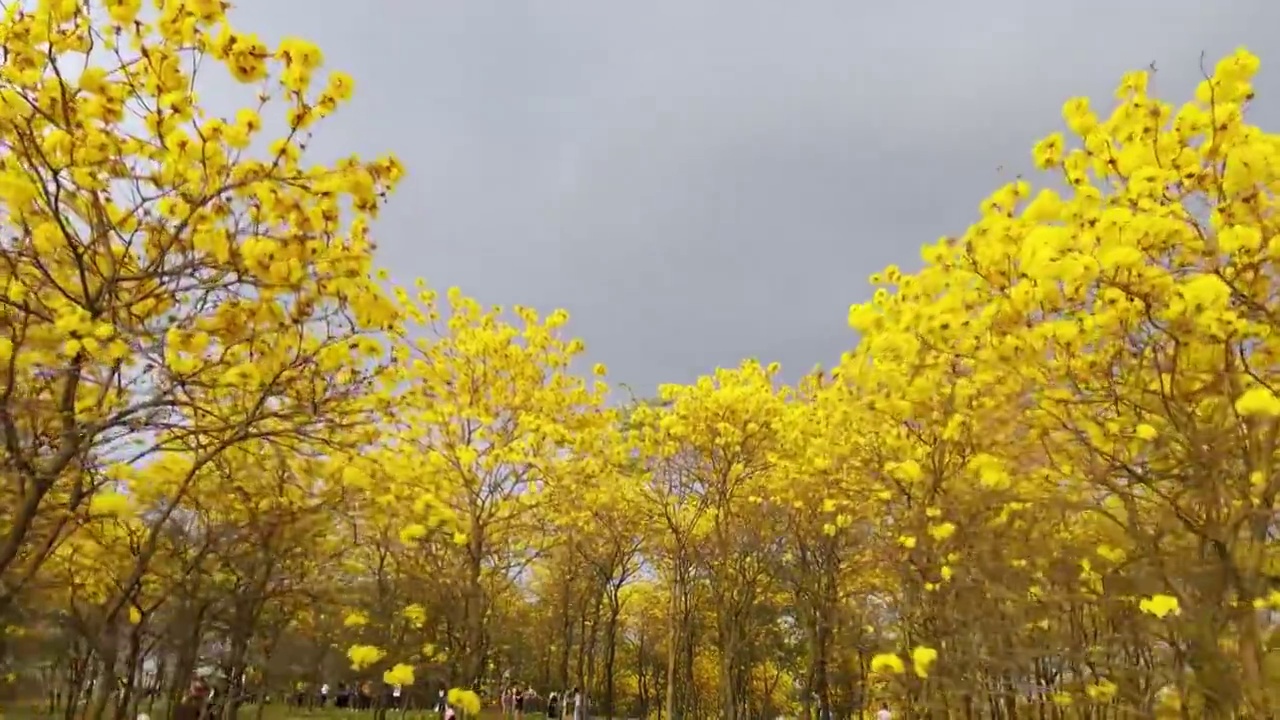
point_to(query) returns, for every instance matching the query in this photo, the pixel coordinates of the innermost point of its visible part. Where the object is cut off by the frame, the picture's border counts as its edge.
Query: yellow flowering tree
(494, 411)
(167, 286)
(596, 513)
(1126, 319)
(724, 435)
(1041, 484)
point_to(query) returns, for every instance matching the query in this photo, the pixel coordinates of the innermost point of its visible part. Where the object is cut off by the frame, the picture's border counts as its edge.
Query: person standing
(579, 705)
(194, 704)
(365, 696)
(884, 713)
(505, 701)
(553, 707)
(517, 702)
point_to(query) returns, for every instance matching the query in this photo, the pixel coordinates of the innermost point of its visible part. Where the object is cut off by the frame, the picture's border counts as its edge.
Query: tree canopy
(1042, 481)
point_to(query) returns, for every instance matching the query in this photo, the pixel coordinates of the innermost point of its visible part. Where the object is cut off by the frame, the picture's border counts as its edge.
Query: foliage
(1042, 482)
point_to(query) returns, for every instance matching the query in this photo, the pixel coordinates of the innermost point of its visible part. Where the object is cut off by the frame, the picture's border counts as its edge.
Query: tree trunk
(105, 680)
(673, 637)
(188, 655)
(134, 661)
(473, 614)
(611, 651)
(590, 685)
(728, 655)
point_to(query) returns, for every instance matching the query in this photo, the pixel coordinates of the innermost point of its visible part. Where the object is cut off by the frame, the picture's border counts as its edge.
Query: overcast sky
(701, 180)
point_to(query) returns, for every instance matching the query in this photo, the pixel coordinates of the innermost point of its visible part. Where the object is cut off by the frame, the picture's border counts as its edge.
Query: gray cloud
(701, 181)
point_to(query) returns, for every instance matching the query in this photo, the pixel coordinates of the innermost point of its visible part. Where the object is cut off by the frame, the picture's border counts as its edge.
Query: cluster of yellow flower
(1070, 411)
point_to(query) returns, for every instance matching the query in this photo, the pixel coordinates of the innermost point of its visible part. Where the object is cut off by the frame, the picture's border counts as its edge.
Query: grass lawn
(274, 712)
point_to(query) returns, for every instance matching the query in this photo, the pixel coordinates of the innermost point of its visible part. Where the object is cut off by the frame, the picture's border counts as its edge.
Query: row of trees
(1042, 483)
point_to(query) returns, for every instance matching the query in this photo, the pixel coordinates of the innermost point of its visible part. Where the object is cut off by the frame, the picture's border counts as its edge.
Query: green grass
(272, 712)
(287, 713)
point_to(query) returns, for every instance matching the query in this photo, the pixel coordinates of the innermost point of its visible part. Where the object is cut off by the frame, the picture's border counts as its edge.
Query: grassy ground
(284, 713)
(275, 712)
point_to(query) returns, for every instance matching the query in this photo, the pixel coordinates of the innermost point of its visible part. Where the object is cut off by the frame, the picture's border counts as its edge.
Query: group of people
(354, 696)
(197, 703)
(516, 700)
